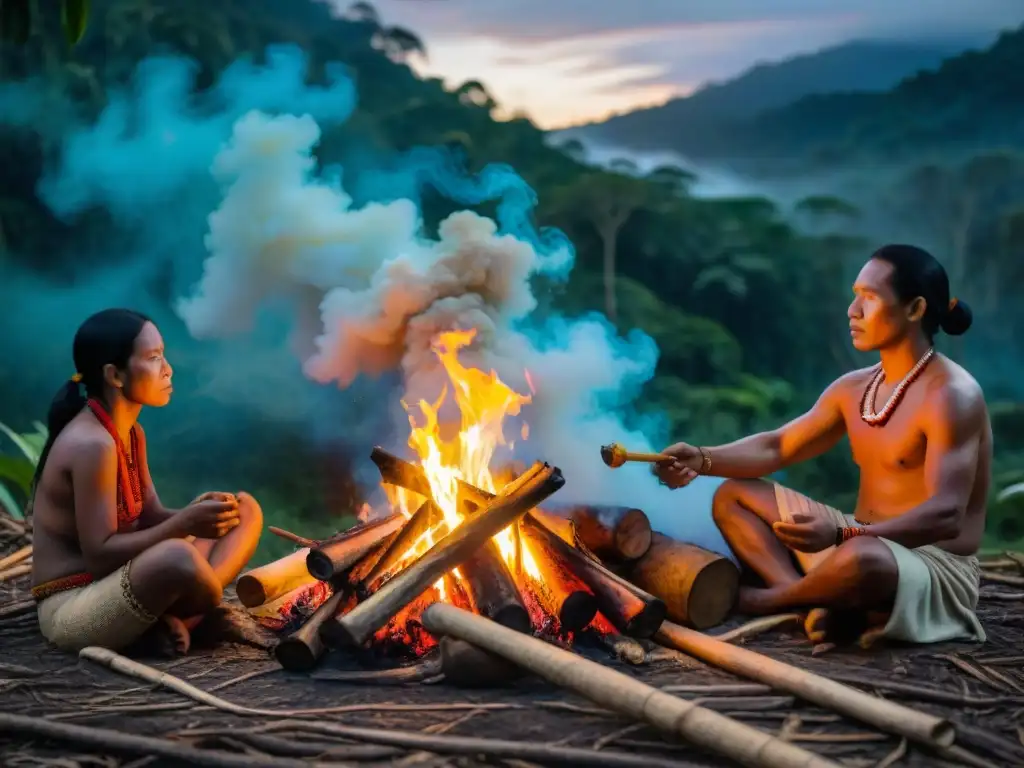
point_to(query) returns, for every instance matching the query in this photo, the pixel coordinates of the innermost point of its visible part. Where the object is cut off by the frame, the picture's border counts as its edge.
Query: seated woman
(110, 561)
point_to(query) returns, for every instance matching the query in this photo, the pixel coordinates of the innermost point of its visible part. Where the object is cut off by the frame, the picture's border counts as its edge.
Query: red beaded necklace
(129, 486)
(867, 403)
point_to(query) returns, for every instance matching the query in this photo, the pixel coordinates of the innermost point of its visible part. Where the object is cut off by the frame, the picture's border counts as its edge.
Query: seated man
(919, 430)
(110, 561)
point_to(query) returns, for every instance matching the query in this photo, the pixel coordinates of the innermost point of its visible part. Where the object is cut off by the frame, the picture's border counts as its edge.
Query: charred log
(493, 590)
(425, 519)
(300, 651)
(332, 558)
(613, 533)
(633, 611)
(561, 594)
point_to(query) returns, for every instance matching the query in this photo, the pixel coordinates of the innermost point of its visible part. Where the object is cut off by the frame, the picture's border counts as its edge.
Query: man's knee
(179, 564)
(741, 497)
(869, 558)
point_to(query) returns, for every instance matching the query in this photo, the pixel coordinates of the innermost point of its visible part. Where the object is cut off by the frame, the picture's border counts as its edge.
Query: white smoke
(370, 293)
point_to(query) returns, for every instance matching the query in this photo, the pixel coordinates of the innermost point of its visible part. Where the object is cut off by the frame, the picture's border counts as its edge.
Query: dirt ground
(979, 688)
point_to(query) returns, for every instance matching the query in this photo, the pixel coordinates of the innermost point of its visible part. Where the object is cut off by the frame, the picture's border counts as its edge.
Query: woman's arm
(94, 482)
(153, 512)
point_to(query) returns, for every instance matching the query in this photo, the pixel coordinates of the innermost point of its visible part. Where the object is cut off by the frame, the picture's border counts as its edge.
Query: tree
(398, 43)
(16, 20)
(473, 92)
(363, 12)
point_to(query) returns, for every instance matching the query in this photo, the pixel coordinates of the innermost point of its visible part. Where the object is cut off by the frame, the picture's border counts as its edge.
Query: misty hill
(970, 101)
(862, 66)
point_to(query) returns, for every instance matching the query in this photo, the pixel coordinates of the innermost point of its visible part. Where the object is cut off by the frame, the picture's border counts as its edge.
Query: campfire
(487, 539)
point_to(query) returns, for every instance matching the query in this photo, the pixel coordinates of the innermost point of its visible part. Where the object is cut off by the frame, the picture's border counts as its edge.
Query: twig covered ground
(107, 719)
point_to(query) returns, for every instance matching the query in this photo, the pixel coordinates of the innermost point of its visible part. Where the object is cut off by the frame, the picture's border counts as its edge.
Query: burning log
(268, 582)
(699, 587)
(621, 693)
(633, 611)
(614, 533)
(425, 519)
(397, 471)
(492, 589)
(300, 651)
(525, 492)
(562, 594)
(468, 666)
(334, 557)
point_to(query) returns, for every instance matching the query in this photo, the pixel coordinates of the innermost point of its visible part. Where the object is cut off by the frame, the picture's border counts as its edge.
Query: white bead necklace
(868, 402)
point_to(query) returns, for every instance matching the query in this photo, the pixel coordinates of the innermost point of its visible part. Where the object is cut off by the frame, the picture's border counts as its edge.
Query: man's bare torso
(892, 457)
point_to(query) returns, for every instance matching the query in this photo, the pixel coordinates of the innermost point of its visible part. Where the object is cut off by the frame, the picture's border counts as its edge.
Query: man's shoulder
(953, 393)
(852, 382)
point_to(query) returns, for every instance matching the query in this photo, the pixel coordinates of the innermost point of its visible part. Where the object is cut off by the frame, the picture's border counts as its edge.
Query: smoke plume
(300, 294)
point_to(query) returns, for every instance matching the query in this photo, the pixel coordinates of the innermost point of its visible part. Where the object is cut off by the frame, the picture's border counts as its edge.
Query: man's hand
(807, 533)
(214, 496)
(682, 468)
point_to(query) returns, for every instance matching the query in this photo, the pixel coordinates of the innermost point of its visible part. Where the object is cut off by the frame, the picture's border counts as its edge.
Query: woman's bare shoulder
(83, 438)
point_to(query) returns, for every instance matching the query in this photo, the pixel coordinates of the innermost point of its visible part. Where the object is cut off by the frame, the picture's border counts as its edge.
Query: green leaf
(18, 472)
(16, 20)
(8, 502)
(25, 443)
(74, 17)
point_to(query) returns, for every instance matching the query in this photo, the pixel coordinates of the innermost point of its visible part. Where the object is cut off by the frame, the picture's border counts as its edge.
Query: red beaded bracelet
(850, 533)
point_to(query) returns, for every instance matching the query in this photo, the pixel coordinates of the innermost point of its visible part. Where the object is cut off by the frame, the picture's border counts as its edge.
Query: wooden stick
(1003, 578)
(884, 715)
(424, 519)
(613, 533)
(530, 489)
(399, 472)
(268, 582)
(107, 739)
(621, 693)
(633, 611)
(301, 650)
(757, 626)
(615, 455)
(302, 541)
(698, 587)
(15, 557)
(332, 558)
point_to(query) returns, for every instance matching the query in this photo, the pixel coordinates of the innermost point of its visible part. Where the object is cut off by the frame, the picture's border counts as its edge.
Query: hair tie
(77, 378)
(952, 304)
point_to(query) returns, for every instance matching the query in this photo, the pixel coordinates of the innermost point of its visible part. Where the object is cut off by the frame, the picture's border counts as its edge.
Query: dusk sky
(568, 61)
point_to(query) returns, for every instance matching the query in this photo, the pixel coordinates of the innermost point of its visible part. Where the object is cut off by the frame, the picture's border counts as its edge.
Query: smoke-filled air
(307, 305)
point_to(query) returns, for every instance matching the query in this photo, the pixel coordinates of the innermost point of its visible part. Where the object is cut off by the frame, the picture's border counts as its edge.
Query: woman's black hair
(108, 337)
(916, 273)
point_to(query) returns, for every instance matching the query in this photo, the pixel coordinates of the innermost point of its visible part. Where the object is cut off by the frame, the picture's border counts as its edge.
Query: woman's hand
(682, 468)
(210, 518)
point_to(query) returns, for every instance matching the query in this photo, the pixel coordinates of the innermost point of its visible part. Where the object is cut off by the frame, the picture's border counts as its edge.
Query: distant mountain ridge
(862, 66)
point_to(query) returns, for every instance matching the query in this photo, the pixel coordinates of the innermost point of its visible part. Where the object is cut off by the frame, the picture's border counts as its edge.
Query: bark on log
(523, 494)
(492, 588)
(698, 587)
(881, 713)
(301, 650)
(562, 593)
(613, 533)
(633, 611)
(332, 558)
(468, 666)
(621, 693)
(268, 582)
(425, 519)
(399, 472)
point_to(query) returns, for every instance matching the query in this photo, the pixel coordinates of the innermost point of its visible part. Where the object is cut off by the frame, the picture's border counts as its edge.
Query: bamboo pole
(331, 558)
(621, 693)
(525, 492)
(881, 713)
(268, 582)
